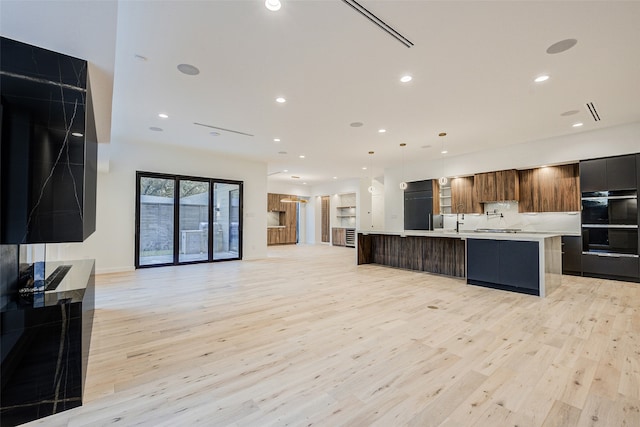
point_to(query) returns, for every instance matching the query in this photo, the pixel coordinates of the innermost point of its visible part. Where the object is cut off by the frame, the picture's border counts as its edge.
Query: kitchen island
(523, 262)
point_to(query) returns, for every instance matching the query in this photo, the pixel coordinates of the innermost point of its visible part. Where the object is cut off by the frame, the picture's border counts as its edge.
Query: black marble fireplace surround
(47, 195)
(45, 345)
(48, 174)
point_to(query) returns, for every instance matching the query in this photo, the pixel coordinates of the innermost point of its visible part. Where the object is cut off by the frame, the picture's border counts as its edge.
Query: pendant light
(403, 184)
(370, 189)
(443, 179)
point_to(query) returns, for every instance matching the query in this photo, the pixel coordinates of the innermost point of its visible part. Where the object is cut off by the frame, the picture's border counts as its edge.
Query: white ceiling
(473, 65)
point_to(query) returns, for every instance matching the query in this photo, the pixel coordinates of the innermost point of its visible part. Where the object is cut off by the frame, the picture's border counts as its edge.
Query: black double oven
(610, 223)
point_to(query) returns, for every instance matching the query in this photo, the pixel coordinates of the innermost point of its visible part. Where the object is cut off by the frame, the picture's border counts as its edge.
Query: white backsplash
(557, 222)
(273, 219)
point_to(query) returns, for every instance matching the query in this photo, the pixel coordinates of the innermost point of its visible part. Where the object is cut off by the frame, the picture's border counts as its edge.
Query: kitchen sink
(497, 230)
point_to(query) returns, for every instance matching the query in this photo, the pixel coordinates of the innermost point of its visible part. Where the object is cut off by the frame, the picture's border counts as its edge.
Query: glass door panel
(226, 222)
(193, 232)
(156, 245)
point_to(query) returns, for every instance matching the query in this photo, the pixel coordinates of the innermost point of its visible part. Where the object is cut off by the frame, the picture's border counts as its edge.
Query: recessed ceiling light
(140, 57)
(304, 183)
(576, 125)
(188, 69)
(78, 134)
(444, 152)
(276, 139)
(561, 46)
(335, 177)
(155, 128)
(282, 152)
(214, 133)
(569, 113)
(301, 156)
(542, 78)
(281, 100)
(406, 79)
(273, 5)
(163, 116)
(286, 170)
(356, 124)
(295, 177)
(364, 168)
(382, 130)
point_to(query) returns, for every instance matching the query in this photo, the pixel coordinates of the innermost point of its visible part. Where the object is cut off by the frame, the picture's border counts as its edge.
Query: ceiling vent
(223, 129)
(378, 22)
(593, 111)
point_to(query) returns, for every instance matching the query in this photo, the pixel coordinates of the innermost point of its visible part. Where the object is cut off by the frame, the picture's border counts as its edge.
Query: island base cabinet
(504, 264)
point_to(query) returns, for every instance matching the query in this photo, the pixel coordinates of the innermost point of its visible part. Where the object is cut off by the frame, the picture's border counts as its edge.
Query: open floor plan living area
(320, 213)
(304, 337)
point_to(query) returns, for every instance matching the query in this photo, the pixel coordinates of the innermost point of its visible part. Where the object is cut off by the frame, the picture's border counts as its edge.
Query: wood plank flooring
(306, 337)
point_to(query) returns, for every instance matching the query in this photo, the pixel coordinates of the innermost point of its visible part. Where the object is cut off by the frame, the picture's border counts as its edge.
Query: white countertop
(469, 234)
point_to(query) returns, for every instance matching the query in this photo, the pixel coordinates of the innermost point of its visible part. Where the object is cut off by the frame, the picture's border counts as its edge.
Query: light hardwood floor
(306, 337)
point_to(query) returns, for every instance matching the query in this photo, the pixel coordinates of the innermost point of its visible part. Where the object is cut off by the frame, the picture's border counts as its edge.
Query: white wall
(112, 245)
(563, 149)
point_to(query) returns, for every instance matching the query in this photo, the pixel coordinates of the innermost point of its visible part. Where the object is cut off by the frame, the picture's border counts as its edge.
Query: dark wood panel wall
(325, 219)
(438, 255)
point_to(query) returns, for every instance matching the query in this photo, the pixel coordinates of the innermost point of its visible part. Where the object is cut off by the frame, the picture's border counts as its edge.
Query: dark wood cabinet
(572, 255)
(463, 196)
(507, 185)
(485, 187)
(497, 186)
(421, 202)
(549, 189)
(612, 173)
(611, 266)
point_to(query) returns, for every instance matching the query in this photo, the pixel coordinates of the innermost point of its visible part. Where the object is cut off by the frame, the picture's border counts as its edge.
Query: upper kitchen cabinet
(497, 186)
(273, 203)
(485, 186)
(613, 173)
(549, 189)
(49, 146)
(463, 196)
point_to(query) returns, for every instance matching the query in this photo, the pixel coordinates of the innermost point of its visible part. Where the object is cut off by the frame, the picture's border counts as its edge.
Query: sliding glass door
(182, 220)
(155, 221)
(194, 221)
(226, 237)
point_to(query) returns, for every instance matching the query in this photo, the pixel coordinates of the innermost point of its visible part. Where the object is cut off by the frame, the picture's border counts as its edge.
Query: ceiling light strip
(378, 22)
(592, 110)
(223, 129)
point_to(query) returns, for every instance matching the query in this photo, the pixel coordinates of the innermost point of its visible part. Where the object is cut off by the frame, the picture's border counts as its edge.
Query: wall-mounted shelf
(345, 212)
